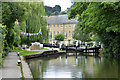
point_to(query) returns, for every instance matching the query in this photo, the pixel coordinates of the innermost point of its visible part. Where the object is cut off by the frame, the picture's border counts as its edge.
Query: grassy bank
(44, 49)
(61, 50)
(32, 52)
(28, 52)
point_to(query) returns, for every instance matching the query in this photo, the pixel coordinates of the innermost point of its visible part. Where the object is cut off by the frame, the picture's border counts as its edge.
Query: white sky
(63, 3)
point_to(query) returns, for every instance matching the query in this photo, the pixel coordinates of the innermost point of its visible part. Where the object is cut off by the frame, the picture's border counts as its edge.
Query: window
(61, 25)
(58, 25)
(61, 32)
(69, 25)
(66, 26)
(69, 33)
(74, 26)
(50, 25)
(54, 25)
(50, 35)
(65, 34)
(54, 33)
(58, 32)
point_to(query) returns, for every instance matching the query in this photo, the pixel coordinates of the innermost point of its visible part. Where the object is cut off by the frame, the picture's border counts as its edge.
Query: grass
(44, 49)
(24, 52)
(28, 52)
(22, 74)
(61, 51)
(16, 49)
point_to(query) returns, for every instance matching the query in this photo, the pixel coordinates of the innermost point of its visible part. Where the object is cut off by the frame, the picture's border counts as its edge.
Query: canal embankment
(25, 68)
(43, 53)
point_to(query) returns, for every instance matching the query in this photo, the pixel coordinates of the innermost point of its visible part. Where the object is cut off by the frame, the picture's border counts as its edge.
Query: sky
(63, 3)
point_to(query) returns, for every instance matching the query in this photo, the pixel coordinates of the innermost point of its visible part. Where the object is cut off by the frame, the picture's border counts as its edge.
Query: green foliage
(28, 52)
(16, 49)
(52, 10)
(30, 17)
(80, 35)
(32, 23)
(11, 12)
(17, 36)
(57, 8)
(44, 49)
(63, 12)
(59, 37)
(100, 18)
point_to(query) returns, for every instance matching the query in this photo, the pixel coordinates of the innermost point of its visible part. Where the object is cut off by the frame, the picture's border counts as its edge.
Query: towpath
(10, 68)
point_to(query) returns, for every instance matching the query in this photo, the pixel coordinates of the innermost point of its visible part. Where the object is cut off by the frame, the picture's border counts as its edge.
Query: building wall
(66, 28)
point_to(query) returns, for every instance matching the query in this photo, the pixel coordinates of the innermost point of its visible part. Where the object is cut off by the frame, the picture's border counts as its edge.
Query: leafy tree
(56, 13)
(80, 35)
(102, 19)
(17, 35)
(11, 12)
(52, 10)
(57, 8)
(59, 37)
(63, 12)
(32, 22)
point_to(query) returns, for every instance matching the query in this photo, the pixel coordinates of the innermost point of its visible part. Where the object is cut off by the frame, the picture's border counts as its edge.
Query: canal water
(72, 67)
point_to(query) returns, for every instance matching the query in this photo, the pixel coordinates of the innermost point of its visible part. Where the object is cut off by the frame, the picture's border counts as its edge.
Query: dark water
(72, 67)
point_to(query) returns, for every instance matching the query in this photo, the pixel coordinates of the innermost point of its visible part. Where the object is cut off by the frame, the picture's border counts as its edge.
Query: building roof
(60, 19)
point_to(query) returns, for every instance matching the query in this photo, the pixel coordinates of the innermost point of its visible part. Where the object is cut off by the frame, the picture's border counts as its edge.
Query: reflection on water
(72, 67)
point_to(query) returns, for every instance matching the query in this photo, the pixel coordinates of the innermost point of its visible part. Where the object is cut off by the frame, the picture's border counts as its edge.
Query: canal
(72, 67)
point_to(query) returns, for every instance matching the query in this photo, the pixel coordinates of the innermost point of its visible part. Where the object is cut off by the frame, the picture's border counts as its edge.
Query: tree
(32, 22)
(63, 12)
(52, 10)
(102, 19)
(80, 35)
(59, 37)
(11, 12)
(57, 8)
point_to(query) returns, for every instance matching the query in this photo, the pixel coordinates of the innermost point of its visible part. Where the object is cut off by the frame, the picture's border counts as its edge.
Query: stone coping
(26, 70)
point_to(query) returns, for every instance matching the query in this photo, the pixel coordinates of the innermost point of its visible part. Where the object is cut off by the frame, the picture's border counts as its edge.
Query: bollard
(18, 53)
(18, 62)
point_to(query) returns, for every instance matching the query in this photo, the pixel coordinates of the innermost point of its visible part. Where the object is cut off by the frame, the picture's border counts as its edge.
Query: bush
(4, 54)
(59, 37)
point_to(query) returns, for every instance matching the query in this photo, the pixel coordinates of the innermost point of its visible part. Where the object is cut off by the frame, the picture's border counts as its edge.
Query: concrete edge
(26, 70)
